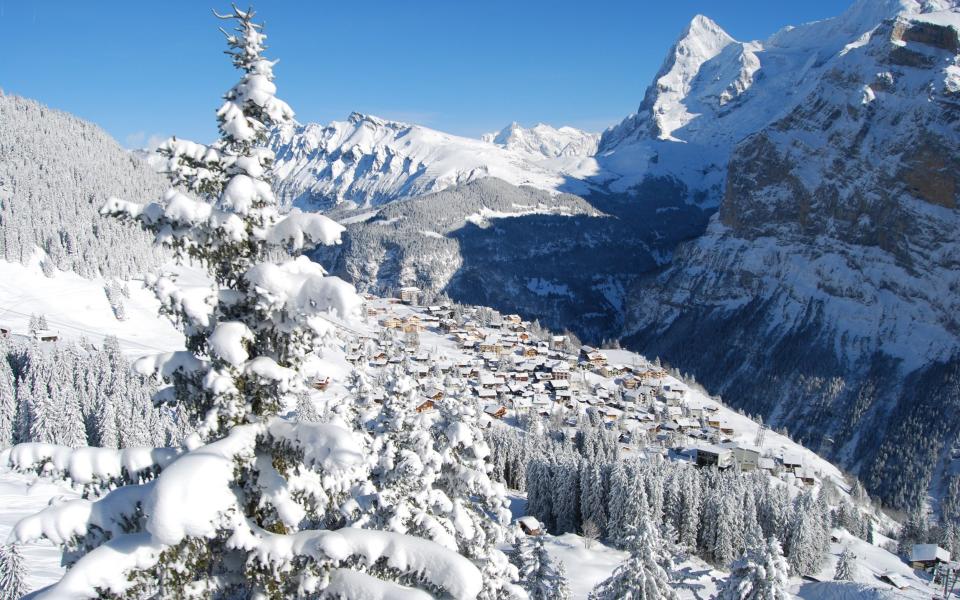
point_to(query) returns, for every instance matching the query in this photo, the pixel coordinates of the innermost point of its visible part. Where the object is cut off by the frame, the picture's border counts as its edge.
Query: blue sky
(154, 69)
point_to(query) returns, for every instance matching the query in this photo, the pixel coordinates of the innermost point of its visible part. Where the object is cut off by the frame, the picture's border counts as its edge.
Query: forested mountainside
(55, 170)
(562, 259)
(75, 394)
(826, 286)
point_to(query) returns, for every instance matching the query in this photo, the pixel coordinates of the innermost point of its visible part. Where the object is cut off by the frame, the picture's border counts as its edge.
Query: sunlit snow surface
(21, 496)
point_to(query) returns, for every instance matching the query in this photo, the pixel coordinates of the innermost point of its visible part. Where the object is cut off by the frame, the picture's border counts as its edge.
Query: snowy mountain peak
(370, 161)
(545, 141)
(700, 42)
(704, 29)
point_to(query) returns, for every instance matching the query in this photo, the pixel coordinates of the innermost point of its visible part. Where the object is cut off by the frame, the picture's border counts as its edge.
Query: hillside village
(514, 372)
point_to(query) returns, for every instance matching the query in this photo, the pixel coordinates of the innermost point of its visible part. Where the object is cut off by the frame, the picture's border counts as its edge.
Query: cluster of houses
(513, 372)
(40, 335)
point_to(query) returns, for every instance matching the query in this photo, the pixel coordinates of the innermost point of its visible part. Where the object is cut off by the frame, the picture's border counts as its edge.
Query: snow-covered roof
(929, 552)
(529, 522)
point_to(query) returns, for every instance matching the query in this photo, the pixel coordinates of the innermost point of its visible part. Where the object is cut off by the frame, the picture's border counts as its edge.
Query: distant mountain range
(367, 161)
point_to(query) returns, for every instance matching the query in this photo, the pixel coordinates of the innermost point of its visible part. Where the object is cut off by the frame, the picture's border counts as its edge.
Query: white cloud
(140, 139)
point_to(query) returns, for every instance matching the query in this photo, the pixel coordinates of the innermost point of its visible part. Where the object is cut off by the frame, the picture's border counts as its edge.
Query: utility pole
(761, 434)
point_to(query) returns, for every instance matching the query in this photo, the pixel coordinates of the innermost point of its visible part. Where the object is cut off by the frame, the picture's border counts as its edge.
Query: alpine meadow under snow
(193, 406)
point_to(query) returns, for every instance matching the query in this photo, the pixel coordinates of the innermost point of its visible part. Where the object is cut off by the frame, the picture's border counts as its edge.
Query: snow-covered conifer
(540, 575)
(8, 401)
(761, 574)
(846, 565)
(641, 576)
(13, 573)
(807, 542)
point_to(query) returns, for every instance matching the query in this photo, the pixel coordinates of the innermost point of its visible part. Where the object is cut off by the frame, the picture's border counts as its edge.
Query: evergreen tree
(8, 401)
(543, 577)
(846, 565)
(13, 573)
(270, 501)
(761, 574)
(640, 577)
(807, 542)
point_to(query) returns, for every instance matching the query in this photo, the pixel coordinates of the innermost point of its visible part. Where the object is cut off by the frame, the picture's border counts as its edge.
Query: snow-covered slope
(545, 140)
(828, 278)
(368, 161)
(55, 171)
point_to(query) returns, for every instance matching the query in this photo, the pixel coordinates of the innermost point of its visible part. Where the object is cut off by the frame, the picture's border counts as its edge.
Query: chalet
(486, 393)
(558, 342)
(45, 335)
(522, 403)
(491, 344)
(392, 323)
(592, 356)
(561, 371)
(792, 462)
(672, 398)
(489, 380)
(806, 476)
(709, 455)
(320, 383)
(748, 458)
(668, 426)
(928, 556)
(687, 424)
(433, 393)
(529, 525)
(766, 464)
(497, 411)
(425, 406)
(409, 295)
(629, 382)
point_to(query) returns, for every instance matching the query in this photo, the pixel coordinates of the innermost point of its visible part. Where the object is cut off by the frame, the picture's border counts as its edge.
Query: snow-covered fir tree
(13, 573)
(542, 576)
(272, 501)
(641, 576)
(808, 535)
(8, 400)
(846, 565)
(760, 574)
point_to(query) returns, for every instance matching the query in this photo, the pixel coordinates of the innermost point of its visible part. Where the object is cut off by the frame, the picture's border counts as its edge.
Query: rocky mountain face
(825, 289)
(366, 161)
